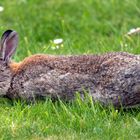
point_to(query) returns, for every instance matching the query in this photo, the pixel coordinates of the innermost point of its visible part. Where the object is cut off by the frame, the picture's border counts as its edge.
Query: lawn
(86, 27)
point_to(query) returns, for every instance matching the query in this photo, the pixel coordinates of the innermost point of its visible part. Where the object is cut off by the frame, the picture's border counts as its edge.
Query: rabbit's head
(8, 44)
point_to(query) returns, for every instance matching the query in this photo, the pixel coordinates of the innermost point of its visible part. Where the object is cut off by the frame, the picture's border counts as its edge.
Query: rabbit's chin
(5, 80)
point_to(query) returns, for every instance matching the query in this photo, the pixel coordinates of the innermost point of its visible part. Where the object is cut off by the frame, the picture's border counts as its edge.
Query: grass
(87, 27)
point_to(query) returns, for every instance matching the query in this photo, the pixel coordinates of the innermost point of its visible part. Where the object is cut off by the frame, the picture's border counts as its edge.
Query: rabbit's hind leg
(128, 82)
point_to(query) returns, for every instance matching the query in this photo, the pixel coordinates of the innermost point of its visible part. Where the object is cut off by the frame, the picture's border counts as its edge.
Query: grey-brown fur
(109, 78)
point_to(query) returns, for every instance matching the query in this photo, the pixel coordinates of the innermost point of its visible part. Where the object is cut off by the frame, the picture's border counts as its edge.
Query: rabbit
(110, 78)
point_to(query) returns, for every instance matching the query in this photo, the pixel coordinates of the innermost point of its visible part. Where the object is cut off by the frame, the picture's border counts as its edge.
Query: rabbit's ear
(9, 42)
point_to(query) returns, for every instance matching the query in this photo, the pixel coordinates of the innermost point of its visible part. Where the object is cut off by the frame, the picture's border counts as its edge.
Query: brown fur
(109, 78)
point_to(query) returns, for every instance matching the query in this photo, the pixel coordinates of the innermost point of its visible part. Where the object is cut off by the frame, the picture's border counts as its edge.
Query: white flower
(58, 41)
(1, 8)
(134, 31)
(56, 44)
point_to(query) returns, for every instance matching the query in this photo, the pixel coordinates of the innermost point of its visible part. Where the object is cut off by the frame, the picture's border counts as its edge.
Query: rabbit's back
(77, 64)
(105, 77)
